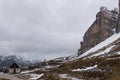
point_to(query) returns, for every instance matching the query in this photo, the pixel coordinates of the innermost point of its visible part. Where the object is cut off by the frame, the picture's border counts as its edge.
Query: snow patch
(48, 67)
(1, 73)
(68, 77)
(85, 69)
(35, 76)
(118, 53)
(103, 52)
(29, 71)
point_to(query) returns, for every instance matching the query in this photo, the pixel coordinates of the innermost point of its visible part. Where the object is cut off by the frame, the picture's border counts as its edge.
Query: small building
(14, 69)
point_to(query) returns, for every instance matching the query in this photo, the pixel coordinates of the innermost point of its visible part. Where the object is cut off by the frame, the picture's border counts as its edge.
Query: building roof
(14, 65)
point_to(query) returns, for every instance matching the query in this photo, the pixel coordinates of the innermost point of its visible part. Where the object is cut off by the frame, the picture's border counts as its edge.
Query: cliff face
(103, 27)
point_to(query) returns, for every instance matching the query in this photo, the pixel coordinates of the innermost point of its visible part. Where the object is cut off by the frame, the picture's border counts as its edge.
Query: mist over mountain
(7, 61)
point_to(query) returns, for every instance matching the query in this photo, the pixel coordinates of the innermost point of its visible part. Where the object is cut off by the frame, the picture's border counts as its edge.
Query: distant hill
(6, 61)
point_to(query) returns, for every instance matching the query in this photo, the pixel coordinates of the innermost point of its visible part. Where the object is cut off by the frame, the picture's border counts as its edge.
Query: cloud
(46, 28)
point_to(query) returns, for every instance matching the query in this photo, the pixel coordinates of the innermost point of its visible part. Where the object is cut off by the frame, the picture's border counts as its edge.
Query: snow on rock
(35, 76)
(68, 77)
(101, 45)
(108, 13)
(1, 73)
(48, 67)
(25, 72)
(73, 57)
(103, 52)
(85, 69)
(118, 52)
(29, 71)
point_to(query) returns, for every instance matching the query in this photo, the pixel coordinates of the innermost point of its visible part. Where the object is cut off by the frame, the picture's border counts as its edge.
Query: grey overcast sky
(46, 28)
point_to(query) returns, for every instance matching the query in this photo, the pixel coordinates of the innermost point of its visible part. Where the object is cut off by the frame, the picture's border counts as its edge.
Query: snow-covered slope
(101, 45)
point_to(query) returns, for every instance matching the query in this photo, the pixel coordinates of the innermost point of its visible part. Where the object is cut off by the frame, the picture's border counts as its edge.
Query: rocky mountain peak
(103, 27)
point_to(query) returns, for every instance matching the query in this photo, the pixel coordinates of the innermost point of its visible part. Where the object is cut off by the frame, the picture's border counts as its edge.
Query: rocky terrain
(99, 63)
(97, 59)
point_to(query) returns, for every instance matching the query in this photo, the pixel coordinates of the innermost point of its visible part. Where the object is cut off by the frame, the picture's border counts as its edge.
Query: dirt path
(9, 76)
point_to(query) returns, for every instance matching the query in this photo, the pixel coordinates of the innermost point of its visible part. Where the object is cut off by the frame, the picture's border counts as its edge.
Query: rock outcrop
(103, 27)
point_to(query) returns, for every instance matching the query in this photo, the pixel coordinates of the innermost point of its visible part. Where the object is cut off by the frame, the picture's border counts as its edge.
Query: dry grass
(109, 66)
(114, 66)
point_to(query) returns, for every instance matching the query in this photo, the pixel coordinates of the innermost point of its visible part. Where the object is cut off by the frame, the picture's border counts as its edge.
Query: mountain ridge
(7, 61)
